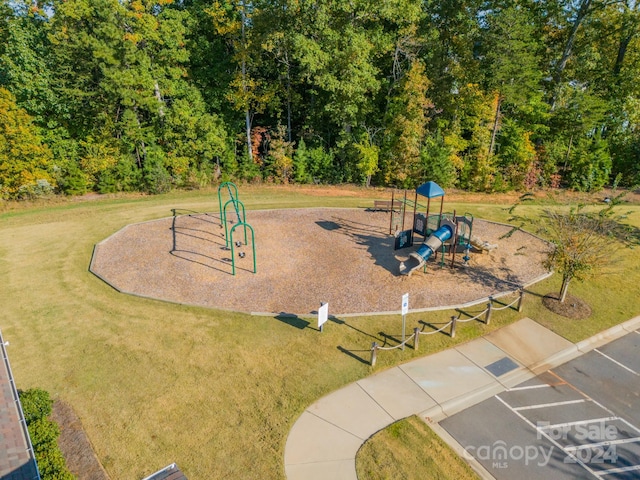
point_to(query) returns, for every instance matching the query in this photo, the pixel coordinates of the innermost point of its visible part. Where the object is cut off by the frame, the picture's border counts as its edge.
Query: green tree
(578, 118)
(312, 163)
(280, 156)
(435, 161)
(368, 155)
(25, 67)
(516, 155)
(590, 164)
(247, 92)
(511, 64)
(124, 80)
(406, 128)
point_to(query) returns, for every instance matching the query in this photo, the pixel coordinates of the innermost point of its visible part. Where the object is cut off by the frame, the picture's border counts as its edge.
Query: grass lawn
(214, 391)
(379, 458)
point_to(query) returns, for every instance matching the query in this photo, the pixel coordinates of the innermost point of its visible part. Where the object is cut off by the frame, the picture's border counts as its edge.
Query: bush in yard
(37, 406)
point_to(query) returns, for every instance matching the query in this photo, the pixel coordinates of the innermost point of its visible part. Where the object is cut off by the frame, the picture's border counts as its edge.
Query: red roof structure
(17, 460)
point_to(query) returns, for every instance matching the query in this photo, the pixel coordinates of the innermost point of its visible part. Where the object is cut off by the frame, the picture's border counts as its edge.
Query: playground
(302, 257)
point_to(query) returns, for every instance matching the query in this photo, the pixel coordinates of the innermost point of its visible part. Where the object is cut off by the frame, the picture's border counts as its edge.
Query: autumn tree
(26, 166)
(581, 237)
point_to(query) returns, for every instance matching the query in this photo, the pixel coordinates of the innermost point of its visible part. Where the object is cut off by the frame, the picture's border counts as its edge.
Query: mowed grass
(379, 458)
(214, 391)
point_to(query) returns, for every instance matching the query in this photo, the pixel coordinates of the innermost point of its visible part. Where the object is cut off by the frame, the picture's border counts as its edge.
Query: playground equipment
(241, 254)
(441, 231)
(429, 247)
(240, 221)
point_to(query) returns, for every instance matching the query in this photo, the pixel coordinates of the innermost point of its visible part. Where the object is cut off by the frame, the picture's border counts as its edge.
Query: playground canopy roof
(430, 190)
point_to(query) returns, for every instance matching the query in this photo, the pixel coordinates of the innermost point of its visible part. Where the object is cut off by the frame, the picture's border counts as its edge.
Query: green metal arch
(253, 245)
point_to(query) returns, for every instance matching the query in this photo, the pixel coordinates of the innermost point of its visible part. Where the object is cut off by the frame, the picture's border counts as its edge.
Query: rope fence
(455, 319)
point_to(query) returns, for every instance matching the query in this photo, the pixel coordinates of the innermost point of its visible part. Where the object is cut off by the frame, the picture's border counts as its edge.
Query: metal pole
(403, 324)
(374, 353)
(404, 207)
(454, 240)
(415, 207)
(393, 202)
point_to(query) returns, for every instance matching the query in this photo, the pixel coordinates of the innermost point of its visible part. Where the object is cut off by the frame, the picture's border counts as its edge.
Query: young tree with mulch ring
(582, 238)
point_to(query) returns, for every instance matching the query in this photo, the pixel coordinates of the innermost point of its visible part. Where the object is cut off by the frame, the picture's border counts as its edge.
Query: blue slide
(430, 245)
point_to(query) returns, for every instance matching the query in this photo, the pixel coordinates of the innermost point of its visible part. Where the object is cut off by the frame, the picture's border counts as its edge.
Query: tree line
(485, 95)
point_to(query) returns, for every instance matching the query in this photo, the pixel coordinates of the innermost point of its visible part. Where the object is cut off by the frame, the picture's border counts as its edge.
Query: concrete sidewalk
(325, 439)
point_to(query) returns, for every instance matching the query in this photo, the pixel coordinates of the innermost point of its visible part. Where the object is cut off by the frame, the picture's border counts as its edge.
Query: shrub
(37, 406)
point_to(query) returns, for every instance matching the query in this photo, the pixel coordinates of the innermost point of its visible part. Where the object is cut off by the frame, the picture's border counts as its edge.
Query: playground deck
(304, 257)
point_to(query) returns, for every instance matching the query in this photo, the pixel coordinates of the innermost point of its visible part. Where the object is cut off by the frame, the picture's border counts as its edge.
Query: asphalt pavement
(325, 439)
(578, 420)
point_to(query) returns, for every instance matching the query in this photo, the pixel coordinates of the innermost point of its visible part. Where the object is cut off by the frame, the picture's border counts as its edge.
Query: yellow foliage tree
(25, 161)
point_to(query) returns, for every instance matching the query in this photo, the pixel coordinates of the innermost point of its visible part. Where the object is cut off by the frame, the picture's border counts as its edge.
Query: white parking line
(616, 362)
(573, 452)
(573, 448)
(529, 387)
(546, 405)
(552, 440)
(632, 468)
(579, 422)
(629, 425)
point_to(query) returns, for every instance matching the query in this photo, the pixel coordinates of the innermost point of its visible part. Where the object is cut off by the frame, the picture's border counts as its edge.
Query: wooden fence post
(416, 335)
(487, 319)
(452, 333)
(520, 301)
(374, 353)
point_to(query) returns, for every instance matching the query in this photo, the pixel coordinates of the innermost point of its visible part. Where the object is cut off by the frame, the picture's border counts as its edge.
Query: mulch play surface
(305, 257)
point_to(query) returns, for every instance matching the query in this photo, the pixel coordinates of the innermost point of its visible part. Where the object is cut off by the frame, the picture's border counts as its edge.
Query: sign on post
(405, 310)
(323, 315)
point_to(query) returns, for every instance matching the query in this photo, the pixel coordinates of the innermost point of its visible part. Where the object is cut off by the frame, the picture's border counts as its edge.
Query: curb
(436, 414)
(459, 403)
(609, 335)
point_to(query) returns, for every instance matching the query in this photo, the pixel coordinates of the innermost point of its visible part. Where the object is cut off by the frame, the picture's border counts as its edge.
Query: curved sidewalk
(325, 439)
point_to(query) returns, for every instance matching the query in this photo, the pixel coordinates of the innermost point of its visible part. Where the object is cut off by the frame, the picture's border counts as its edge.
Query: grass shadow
(292, 320)
(388, 338)
(462, 313)
(435, 327)
(353, 355)
(342, 322)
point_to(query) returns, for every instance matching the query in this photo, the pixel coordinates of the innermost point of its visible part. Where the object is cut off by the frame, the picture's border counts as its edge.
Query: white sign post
(405, 310)
(323, 315)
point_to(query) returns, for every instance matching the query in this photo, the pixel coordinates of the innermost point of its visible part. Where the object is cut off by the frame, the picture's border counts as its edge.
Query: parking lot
(579, 420)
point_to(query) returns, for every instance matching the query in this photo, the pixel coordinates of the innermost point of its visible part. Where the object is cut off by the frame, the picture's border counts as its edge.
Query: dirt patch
(572, 307)
(306, 256)
(75, 445)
